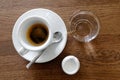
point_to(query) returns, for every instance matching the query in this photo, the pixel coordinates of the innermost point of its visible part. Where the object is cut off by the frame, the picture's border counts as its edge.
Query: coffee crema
(37, 34)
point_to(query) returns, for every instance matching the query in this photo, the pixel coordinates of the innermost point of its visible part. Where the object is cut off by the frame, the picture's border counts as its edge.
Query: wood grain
(100, 59)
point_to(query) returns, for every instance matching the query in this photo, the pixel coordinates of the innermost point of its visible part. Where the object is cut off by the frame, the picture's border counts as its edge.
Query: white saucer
(58, 25)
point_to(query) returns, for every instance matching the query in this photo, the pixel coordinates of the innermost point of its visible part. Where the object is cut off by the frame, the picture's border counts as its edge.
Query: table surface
(100, 59)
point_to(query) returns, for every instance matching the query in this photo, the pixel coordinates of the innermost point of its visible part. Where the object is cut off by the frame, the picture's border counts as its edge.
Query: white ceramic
(22, 30)
(54, 22)
(70, 65)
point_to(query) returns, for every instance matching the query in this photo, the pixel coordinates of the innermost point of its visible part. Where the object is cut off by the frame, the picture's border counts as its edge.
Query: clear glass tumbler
(84, 26)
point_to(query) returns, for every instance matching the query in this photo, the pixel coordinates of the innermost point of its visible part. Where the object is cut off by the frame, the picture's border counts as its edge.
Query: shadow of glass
(89, 49)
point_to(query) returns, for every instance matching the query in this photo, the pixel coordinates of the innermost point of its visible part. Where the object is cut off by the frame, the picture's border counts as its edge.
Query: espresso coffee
(37, 34)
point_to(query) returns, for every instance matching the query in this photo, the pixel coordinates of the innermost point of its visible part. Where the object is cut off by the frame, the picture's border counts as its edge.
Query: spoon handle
(33, 60)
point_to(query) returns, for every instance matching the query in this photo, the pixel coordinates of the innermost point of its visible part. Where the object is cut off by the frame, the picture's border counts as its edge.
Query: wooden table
(100, 59)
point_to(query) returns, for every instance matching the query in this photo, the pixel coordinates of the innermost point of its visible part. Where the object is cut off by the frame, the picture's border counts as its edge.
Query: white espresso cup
(22, 34)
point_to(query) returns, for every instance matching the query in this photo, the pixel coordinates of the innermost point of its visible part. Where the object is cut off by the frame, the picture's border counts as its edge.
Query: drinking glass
(84, 26)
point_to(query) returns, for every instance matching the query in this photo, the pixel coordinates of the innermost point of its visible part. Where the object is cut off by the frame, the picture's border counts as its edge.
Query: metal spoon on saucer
(56, 38)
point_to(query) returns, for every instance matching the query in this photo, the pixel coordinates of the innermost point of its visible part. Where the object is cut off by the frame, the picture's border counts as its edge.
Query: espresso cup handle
(23, 51)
